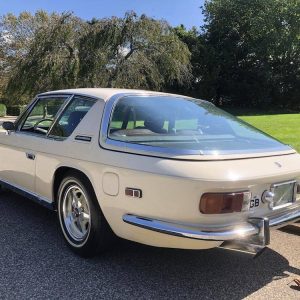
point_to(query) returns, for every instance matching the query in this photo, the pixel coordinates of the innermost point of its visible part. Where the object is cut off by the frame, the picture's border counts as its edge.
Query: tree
(256, 49)
(131, 52)
(49, 59)
(204, 69)
(16, 35)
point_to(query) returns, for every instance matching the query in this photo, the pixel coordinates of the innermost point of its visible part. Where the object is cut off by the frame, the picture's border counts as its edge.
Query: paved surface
(7, 118)
(36, 264)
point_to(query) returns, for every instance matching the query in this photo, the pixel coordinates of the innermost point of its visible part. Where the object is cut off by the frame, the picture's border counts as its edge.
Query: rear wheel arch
(59, 174)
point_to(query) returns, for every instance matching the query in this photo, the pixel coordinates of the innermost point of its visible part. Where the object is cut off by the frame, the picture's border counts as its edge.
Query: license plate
(284, 193)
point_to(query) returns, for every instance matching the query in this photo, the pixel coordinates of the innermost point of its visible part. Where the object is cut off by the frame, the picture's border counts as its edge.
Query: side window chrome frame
(58, 114)
(61, 112)
(68, 97)
(25, 113)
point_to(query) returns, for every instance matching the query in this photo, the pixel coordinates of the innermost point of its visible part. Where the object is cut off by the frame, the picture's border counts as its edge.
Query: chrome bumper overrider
(251, 235)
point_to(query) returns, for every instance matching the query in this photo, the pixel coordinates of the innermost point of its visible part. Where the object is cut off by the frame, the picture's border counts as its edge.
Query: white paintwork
(110, 184)
(15, 166)
(171, 188)
(104, 94)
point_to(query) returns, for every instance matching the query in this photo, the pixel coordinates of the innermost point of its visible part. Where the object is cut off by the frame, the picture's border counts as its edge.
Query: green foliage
(51, 59)
(16, 36)
(15, 110)
(202, 61)
(2, 110)
(247, 54)
(255, 48)
(131, 52)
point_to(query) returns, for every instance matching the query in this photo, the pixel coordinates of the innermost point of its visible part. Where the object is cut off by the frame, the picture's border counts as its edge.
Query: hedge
(2, 110)
(15, 110)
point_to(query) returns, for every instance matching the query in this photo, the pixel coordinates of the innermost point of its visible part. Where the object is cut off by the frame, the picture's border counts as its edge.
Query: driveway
(35, 263)
(7, 118)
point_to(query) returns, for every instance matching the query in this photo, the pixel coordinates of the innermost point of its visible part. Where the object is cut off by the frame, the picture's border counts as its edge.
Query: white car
(158, 169)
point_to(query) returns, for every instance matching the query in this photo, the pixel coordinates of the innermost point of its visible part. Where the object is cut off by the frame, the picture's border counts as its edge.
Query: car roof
(103, 93)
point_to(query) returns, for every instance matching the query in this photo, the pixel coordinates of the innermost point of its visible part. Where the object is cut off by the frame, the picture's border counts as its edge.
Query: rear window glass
(190, 125)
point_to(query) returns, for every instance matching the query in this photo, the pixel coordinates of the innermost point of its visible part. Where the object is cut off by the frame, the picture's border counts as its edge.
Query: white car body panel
(15, 167)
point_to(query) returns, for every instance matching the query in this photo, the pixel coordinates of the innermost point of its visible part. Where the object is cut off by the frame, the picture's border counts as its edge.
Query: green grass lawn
(285, 128)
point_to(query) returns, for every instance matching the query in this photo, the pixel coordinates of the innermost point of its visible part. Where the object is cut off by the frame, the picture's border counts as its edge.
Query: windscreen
(191, 125)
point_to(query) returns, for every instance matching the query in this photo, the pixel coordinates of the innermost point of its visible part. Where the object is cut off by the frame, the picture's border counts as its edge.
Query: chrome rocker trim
(251, 236)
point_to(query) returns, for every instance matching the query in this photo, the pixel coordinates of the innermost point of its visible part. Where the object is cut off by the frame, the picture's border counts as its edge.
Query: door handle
(30, 156)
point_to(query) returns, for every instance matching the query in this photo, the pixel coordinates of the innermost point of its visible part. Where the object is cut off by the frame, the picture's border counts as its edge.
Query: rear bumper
(287, 217)
(256, 231)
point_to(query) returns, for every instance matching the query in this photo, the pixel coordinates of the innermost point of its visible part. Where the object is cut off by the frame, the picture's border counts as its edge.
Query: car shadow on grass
(36, 263)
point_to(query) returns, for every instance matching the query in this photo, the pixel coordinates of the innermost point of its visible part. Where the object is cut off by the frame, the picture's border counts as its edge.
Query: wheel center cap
(76, 212)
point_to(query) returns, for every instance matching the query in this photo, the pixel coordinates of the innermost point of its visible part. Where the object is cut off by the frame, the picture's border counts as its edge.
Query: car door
(17, 148)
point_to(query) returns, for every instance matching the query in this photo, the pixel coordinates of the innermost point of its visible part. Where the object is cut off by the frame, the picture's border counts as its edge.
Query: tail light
(222, 203)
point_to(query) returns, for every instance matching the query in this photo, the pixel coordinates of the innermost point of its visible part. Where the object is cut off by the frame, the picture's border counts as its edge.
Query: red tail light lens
(222, 203)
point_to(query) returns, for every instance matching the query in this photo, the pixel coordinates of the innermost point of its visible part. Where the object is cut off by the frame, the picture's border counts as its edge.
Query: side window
(42, 115)
(71, 117)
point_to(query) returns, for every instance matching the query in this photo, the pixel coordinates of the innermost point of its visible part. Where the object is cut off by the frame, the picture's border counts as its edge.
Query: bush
(15, 110)
(2, 110)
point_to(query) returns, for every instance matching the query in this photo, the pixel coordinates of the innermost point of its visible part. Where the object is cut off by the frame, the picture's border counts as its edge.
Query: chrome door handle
(30, 156)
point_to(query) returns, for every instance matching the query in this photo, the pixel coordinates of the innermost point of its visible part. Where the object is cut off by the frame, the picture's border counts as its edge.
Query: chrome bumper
(255, 232)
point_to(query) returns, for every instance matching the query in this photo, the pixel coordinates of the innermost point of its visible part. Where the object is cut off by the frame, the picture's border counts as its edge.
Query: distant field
(285, 128)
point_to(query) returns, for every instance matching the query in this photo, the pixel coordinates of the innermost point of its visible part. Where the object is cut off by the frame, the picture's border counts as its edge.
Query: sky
(176, 12)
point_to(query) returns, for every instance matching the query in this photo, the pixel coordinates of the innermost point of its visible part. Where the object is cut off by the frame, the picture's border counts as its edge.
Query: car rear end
(192, 176)
(223, 201)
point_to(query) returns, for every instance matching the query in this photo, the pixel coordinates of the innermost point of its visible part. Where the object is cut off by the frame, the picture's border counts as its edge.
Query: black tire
(98, 234)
